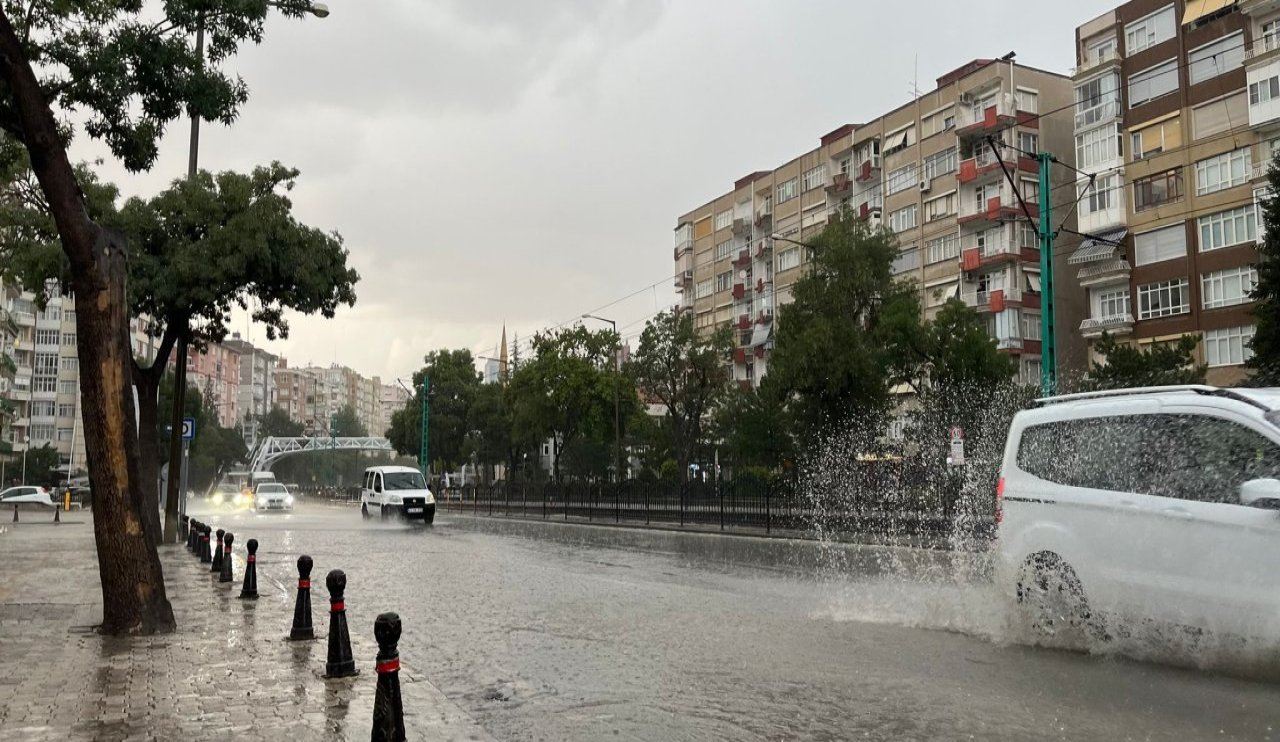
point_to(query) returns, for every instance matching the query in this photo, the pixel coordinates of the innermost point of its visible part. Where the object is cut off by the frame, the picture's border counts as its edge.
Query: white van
(1135, 506)
(396, 491)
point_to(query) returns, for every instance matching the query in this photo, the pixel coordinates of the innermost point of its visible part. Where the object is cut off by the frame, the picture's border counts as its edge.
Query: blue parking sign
(188, 428)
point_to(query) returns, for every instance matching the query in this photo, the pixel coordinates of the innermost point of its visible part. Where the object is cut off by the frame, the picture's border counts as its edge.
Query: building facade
(256, 390)
(1177, 117)
(215, 371)
(927, 172)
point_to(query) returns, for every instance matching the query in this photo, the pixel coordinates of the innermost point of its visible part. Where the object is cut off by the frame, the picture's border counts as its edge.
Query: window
(1030, 191)
(1163, 299)
(1097, 146)
(41, 433)
(940, 163)
(845, 165)
(41, 409)
(1228, 346)
(1153, 83)
(814, 178)
(1220, 115)
(1028, 100)
(901, 179)
(1216, 58)
(1101, 196)
(1150, 30)
(789, 259)
(984, 193)
(684, 233)
(66, 410)
(1097, 99)
(724, 249)
(1097, 50)
(907, 260)
(46, 364)
(64, 435)
(1030, 326)
(44, 384)
(703, 289)
(70, 316)
(1160, 245)
(1228, 228)
(1227, 288)
(1027, 235)
(1157, 189)
(1029, 143)
(940, 207)
(942, 248)
(786, 191)
(899, 140)
(1110, 303)
(936, 296)
(904, 219)
(936, 122)
(51, 312)
(68, 339)
(1151, 140)
(724, 219)
(66, 387)
(1223, 171)
(1264, 90)
(47, 337)
(724, 281)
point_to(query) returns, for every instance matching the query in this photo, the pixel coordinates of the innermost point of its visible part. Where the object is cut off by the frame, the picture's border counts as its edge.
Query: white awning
(760, 335)
(895, 141)
(1098, 247)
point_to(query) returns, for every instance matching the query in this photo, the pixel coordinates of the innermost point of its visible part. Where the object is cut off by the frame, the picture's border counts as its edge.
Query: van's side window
(1096, 453)
(377, 482)
(1205, 459)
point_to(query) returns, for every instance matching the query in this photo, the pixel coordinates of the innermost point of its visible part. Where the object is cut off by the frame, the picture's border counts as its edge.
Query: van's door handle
(1182, 513)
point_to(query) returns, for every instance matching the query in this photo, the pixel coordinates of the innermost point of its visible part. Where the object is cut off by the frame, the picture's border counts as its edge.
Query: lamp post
(617, 425)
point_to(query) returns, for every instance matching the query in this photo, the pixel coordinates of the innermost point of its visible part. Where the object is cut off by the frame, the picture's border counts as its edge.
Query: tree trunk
(175, 447)
(147, 385)
(133, 594)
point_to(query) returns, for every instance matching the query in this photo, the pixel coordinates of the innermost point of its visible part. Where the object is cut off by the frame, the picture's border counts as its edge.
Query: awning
(1098, 247)
(895, 141)
(760, 335)
(1033, 282)
(1197, 9)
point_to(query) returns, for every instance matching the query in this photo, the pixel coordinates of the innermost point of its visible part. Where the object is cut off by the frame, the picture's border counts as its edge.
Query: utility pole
(1048, 349)
(423, 462)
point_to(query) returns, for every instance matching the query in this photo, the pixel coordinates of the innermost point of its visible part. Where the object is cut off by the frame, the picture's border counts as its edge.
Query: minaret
(502, 358)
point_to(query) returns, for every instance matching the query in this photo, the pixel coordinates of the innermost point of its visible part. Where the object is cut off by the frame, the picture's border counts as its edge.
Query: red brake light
(1000, 501)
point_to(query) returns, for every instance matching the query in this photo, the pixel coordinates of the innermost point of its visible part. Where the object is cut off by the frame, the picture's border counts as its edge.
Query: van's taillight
(1000, 501)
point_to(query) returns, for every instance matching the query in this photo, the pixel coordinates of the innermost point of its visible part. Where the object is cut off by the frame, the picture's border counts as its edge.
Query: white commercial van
(396, 491)
(1144, 505)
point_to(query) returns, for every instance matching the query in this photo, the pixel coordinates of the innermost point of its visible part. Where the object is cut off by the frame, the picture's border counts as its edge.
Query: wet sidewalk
(227, 673)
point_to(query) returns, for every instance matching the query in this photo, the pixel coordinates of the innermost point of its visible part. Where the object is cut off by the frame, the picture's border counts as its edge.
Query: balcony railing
(1008, 343)
(1104, 111)
(980, 299)
(1091, 63)
(1263, 45)
(1099, 272)
(986, 116)
(1095, 326)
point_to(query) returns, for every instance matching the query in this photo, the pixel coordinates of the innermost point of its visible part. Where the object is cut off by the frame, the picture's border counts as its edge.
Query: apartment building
(256, 390)
(312, 395)
(215, 371)
(925, 170)
(44, 395)
(1177, 117)
(394, 398)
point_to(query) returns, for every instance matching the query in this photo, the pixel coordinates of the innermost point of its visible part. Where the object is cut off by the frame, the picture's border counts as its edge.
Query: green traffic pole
(1048, 348)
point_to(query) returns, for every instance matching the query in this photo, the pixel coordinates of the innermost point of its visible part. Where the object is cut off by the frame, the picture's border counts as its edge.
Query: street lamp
(617, 426)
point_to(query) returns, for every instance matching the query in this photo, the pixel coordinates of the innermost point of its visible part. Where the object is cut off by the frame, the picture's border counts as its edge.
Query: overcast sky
(519, 162)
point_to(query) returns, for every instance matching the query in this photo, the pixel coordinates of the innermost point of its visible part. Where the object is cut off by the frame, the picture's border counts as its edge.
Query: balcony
(684, 279)
(1000, 208)
(1105, 111)
(869, 209)
(23, 319)
(762, 285)
(740, 356)
(868, 170)
(991, 300)
(1008, 343)
(763, 249)
(1262, 49)
(1097, 63)
(1116, 324)
(744, 322)
(974, 121)
(765, 317)
(742, 227)
(975, 168)
(764, 219)
(1103, 273)
(743, 258)
(739, 290)
(840, 183)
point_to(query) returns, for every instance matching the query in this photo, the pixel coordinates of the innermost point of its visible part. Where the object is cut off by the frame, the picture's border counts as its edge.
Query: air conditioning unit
(924, 185)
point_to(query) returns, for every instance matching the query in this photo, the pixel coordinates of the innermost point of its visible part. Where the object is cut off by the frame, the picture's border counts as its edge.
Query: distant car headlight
(217, 498)
(288, 500)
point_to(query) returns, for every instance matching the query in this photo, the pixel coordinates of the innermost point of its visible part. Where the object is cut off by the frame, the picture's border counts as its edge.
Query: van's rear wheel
(1053, 603)
(364, 511)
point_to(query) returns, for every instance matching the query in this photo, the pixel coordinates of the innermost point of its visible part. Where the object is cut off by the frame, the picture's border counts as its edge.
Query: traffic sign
(957, 446)
(188, 428)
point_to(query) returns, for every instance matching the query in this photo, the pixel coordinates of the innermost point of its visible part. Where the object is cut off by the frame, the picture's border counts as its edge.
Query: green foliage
(489, 426)
(752, 427)
(1126, 366)
(277, 423)
(685, 372)
(847, 338)
(346, 424)
(454, 384)
(42, 466)
(1266, 295)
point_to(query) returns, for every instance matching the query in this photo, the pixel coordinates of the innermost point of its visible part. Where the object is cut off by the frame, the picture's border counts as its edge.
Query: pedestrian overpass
(270, 450)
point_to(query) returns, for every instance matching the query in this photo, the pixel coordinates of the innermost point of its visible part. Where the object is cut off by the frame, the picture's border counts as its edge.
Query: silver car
(272, 496)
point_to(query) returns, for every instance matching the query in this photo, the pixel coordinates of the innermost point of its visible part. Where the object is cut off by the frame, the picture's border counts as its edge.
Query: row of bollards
(388, 709)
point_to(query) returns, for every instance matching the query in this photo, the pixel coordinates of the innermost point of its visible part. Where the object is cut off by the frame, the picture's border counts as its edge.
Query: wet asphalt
(548, 631)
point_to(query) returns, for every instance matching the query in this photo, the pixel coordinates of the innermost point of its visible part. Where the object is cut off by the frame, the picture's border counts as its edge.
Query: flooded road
(545, 631)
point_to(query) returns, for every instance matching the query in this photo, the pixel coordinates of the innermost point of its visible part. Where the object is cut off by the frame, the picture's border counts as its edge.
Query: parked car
(392, 491)
(1144, 505)
(26, 495)
(272, 496)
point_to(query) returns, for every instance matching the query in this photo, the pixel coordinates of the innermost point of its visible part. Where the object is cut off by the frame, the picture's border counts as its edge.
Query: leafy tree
(566, 391)
(42, 466)
(454, 383)
(1125, 366)
(277, 423)
(127, 71)
(684, 371)
(845, 340)
(489, 421)
(346, 424)
(1266, 294)
(752, 428)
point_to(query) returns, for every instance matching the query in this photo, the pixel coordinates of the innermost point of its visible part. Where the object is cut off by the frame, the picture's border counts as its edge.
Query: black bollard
(56, 510)
(205, 555)
(183, 526)
(15, 512)
(193, 535)
(224, 574)
(302, 628)
(388, 709)
(340, 663)
(216, 564)
(250, 589)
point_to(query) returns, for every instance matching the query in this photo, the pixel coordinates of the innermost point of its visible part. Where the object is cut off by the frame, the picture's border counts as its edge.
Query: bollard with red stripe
(193, 530)
(216, 564)
(250, 589)
(224, 574)
(302, 628)
(205, 555)
(388, 709)
(340, 663)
